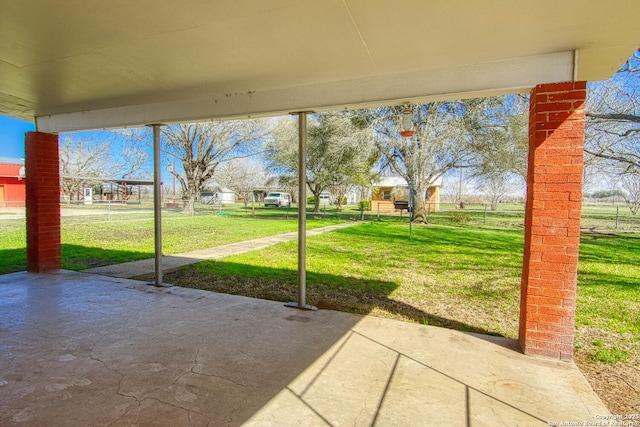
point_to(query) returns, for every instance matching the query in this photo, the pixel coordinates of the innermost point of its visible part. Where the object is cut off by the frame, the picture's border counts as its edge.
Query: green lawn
(91, 240)
(609, 297)
(453, 276)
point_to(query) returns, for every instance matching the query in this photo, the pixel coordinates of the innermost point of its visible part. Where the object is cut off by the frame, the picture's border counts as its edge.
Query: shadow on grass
(326, 291)
(610, 248)
(600, 280)
(74, 257)
(12, 260)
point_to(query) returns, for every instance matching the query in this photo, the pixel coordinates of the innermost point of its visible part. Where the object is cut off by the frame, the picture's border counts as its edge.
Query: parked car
(278, 199)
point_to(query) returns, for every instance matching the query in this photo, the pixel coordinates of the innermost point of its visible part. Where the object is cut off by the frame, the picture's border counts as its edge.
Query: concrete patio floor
(78, 349)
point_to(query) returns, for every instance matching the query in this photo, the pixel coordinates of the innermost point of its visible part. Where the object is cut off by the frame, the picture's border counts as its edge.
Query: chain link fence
(595, 217)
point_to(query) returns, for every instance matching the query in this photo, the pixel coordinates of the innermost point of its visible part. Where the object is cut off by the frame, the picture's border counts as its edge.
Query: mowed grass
(91, 241)
(608, 306)
(453, 276)
(459, 276)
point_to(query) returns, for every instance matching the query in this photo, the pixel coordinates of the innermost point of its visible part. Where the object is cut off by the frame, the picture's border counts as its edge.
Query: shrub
(603, 194)
(364, 205)
(461, 217)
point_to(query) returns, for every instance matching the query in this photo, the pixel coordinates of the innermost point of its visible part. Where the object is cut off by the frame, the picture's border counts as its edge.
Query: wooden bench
(401, 205)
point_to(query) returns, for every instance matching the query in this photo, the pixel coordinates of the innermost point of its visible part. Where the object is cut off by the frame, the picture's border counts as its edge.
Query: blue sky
(12, 136)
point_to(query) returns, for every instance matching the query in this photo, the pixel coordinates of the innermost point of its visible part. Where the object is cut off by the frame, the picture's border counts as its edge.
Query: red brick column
(43, 202)
(552, 219)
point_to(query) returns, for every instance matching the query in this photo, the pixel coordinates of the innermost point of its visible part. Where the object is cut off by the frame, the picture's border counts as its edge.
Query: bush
(364, 205)
(461, 217)
(603, 194)
(311, 200)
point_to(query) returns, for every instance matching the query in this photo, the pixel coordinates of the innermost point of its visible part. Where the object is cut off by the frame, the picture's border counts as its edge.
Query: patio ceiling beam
(517, 75)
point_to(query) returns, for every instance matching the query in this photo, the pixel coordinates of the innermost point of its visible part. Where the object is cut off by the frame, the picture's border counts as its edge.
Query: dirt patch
(617, 383)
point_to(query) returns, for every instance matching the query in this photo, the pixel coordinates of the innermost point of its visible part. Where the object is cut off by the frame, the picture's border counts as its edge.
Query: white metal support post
(302, 215)
(157, 205)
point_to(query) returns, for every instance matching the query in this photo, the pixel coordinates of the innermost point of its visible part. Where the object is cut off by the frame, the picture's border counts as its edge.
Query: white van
(278, 199)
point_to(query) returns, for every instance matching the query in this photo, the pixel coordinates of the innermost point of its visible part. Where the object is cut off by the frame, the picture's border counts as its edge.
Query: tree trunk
(189, 205)
(190, 192)
(316, 198)
(339, 202)
(419, 203)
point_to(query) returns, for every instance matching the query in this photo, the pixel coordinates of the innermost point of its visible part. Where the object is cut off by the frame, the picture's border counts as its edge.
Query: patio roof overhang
(79, 65)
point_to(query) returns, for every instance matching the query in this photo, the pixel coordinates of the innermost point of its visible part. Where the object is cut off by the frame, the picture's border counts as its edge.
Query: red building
(12, 183)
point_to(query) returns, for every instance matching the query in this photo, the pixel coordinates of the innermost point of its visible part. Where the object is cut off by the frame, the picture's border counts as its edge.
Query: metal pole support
(157, 206)
(302, 216)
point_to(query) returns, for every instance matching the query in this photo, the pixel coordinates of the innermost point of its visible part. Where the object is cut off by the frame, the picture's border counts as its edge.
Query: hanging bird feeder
(406, 123)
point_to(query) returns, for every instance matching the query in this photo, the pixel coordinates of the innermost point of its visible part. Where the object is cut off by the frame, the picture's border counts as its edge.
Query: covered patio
(80, 65)
(81, 349)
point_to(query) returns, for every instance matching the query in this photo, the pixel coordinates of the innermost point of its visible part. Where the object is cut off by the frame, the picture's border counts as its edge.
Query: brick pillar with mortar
(552, 219)
(42, 202)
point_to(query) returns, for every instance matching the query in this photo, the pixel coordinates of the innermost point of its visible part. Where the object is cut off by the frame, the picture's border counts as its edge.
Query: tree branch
(614, 116)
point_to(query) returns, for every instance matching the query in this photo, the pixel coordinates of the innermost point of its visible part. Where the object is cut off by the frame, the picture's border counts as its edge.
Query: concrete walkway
(173, 262)
(80, 349)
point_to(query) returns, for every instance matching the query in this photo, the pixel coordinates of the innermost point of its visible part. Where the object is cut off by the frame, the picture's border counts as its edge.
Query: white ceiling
(89, 64)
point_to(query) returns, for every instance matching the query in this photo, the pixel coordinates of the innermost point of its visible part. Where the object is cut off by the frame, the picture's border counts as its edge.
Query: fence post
(485, 213)
(617, 215)
(378, 211)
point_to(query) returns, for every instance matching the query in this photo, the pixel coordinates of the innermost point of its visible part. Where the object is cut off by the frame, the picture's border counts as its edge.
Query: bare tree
(495, 187)
(242, 176)
(202, 147)
(612, 139)
(339, 192)
(133, 160)
(631, 184)
(82, 159)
